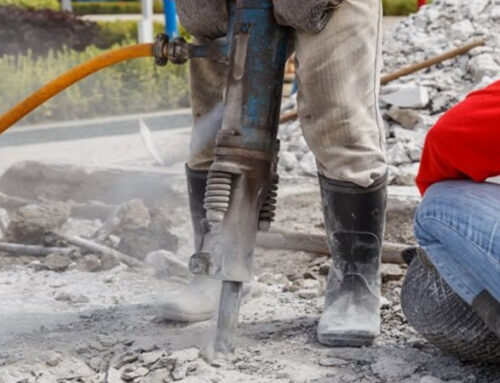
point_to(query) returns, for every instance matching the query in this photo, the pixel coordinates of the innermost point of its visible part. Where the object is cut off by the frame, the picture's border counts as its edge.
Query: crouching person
(451, 294)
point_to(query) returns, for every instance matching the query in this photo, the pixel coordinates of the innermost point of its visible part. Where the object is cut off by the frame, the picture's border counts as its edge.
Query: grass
(35, 4)
(137, 86)
(112, 7)
(400, 7)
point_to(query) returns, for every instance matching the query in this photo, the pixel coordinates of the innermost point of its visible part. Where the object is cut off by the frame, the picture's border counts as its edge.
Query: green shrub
(35, 4)
(116, 32)
(137, 86)
(120, 32)
(399, 7)
(112, 7)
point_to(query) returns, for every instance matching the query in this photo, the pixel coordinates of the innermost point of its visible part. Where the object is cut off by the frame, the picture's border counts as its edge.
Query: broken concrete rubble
(143, 240)
(397, 155)
(406, 175)
(406, 96)
(30, 224)
(408, 118)
(56, 262)
(167, 265)
(157, 365)
(130, 227)
(82, 227)
(90, 262)
(4, 221)
(483, 65)
(133, 215)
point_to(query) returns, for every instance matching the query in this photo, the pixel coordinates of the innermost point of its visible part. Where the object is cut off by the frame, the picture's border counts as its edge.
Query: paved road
(99, 127)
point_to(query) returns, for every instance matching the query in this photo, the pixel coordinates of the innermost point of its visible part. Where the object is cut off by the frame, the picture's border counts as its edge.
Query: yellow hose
(69, 78)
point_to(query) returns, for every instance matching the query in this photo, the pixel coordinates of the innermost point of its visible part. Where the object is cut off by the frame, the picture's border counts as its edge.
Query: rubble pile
(130, 362)
(132, 232)
(48, 231)
(412, 104)
(85, 316)
(29, 224)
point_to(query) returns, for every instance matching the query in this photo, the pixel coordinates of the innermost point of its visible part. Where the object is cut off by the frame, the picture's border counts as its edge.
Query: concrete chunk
(407, 96)
(407, 118)
(397, 155)
(483, 65)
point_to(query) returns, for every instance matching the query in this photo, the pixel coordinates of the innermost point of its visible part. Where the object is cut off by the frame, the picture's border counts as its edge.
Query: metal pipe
(170, 18)
(21, 249)
(318, 244)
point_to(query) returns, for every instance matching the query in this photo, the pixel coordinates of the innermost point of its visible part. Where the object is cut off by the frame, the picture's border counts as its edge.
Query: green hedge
(35, 4)
(116, 32)
(120, 32)
(400, 7)
(112, 7)
(136, 86)
(391, 7)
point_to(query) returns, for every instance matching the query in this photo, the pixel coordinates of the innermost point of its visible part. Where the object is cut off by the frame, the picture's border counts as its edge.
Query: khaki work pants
(338, 71)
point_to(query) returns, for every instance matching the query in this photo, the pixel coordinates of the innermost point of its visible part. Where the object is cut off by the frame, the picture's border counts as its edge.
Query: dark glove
(205, 19)
(305, 15)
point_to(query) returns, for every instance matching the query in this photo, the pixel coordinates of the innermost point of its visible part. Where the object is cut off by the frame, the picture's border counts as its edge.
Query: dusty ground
(81, 326)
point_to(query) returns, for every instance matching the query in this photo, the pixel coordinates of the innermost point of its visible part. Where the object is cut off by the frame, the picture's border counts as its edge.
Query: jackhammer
(242, 183)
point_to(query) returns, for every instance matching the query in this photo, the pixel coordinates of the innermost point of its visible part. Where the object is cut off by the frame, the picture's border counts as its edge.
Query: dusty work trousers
(338, 74)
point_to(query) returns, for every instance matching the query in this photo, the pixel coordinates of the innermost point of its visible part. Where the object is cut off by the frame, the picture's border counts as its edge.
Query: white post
(66, 5)
(146, 24)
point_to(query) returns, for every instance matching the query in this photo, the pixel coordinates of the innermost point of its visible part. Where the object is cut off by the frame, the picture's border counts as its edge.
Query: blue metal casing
(255, 81)
(171, 28)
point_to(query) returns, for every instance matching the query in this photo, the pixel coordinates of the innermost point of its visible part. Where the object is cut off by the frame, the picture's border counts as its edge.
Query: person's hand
(204, 19)
(306, 16)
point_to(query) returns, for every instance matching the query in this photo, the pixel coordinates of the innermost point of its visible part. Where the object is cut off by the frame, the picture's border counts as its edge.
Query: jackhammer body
(241, 189)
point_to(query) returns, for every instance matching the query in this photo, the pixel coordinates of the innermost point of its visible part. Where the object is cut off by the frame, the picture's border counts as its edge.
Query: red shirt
(465, 142)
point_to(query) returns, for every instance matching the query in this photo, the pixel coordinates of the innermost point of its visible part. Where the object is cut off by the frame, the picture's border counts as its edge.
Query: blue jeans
(458, 226)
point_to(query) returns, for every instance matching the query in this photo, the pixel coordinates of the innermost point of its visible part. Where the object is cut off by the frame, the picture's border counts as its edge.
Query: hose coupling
(161, 49)
(175, 50)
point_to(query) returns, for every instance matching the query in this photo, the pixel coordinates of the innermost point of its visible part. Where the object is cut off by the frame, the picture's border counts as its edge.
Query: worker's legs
(207, 81)
(338, 73)
(199, 299)
(458, 226)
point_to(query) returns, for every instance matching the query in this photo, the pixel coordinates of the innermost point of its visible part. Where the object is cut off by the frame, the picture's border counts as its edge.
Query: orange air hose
(70, 77)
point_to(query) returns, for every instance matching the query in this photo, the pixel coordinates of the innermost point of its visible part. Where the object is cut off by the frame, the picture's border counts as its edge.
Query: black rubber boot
(488, 308)
(354, 220)
(199, 300)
